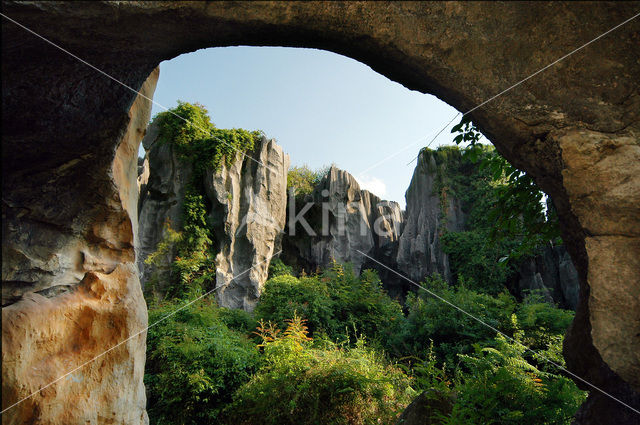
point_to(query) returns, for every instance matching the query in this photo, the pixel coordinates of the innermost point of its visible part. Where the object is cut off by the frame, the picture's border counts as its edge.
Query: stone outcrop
(249, 209)
(575, 128)
(552, 274)
(247, 199)
(344, 223)
(420, 252)
(70, 292)
(162, 181)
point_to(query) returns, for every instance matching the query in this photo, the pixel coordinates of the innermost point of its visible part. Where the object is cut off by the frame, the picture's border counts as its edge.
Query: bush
(194, 363)
(453, 332)
(323, 384)
(285, 295)
(278, 268)
(336, 303)
(501, 387)
(304, 180)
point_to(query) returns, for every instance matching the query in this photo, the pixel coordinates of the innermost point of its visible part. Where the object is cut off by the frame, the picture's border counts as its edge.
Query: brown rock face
(575, 127)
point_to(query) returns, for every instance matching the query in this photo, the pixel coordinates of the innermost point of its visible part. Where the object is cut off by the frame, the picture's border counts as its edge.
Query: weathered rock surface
(248, 209)
(161, 199)
(420, 251)
(575, 127)
(553, 274)
(71, 293)
(344, 223)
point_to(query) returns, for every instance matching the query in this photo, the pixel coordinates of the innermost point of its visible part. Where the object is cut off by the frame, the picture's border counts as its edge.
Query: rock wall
(551, 273)
(574, 127)
(420, 252)
(342, 220)
(249, 209)
(70, 292)
(162, 182)
(248, 201)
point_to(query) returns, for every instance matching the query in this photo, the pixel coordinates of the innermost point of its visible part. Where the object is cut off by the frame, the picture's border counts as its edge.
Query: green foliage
(194, 363)
(454, 332)
(304, 180)
(193, 266)
(306, 383)
(502, 387)
(518, 211)
(474, 259)
(544, 326)
(336, 303)
(278, 268)
(198, 141)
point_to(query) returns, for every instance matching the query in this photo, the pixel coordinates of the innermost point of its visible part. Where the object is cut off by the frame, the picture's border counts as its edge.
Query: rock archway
(70, 136)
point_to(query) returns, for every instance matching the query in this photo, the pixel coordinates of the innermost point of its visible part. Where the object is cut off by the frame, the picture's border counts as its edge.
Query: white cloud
(373, 185)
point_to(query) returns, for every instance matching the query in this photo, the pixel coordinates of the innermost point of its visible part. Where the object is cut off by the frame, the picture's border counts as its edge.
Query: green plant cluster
(194, 363)
(189, 129)
(319, 382)
(335, 349)
(516, 210)
(304, 180)
(336, 303)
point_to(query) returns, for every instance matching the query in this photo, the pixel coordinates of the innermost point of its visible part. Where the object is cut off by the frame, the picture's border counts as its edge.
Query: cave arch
(69, 135)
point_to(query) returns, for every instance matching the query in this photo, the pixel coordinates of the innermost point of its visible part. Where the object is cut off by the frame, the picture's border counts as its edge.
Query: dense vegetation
(336, 349)
(333, 347)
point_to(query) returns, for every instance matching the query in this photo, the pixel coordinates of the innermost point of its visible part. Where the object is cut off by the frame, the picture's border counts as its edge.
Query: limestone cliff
(552, 272)
(246, 206)
(249, 208)
(420, 252)
(343, 220)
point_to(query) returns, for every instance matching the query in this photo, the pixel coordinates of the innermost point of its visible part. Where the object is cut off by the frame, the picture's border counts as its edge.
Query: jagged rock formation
(575, 129)
(344, 223)
(553, 274)
(420, 252)
(248, 201)
(249, 208)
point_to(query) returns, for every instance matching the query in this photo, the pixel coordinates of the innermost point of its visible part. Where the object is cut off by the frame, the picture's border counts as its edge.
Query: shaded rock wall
(420, 251)
(551, 273)
(342, 220)
(574, 128)
(247, 206)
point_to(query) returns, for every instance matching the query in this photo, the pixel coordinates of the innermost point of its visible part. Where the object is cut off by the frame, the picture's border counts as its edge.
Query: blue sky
(321, 107)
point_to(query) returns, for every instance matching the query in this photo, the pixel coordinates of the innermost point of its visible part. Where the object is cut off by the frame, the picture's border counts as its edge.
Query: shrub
(278, 268)
(336, 302)
(284, 295)
(194, 363)
(323, 384)
(303, 179)
(501, 387)
(430, 319)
